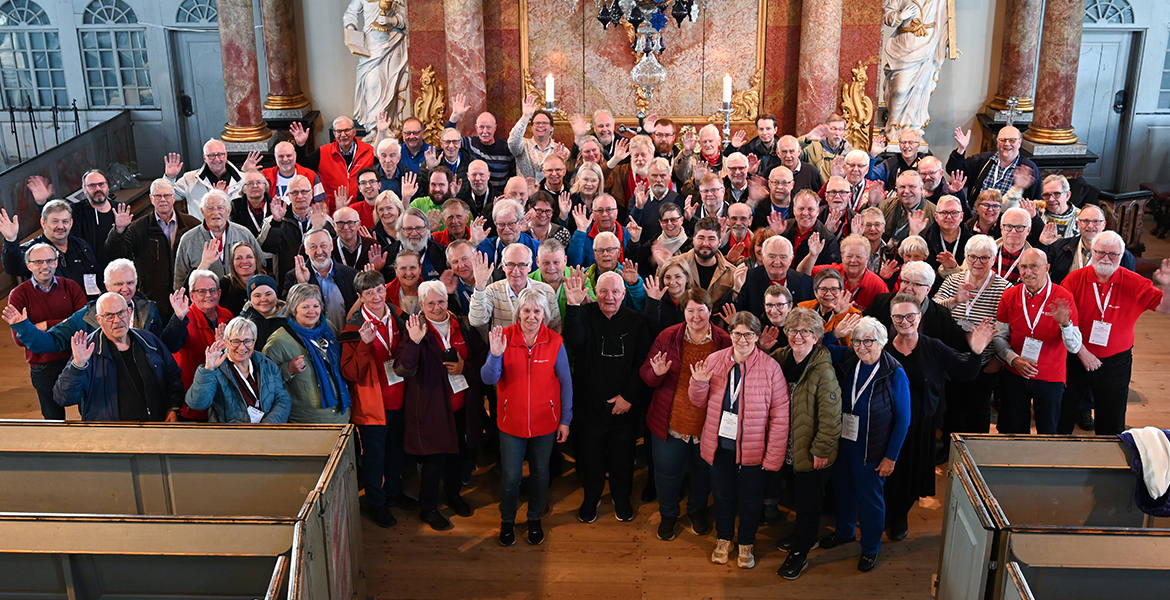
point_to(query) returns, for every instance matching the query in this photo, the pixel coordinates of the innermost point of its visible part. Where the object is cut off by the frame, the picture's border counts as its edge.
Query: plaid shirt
(1000, 178)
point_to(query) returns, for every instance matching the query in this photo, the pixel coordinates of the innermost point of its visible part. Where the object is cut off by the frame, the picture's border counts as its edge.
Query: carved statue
(913, 56)
(375, 30)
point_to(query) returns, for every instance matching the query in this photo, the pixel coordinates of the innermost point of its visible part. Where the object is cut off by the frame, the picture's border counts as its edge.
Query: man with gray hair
(76, 260)
(648, 201)
(414, 234)
(735, 183)
(338, 162)
(493, 304)
(1058, 209)
(390, 169)
(909, 154)
(508, 216)
(217, 173)
(1071, 253)
(94, 217)
(334, 279)
(209, 247)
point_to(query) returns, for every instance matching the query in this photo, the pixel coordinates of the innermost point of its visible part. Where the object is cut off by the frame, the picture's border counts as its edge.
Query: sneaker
(535, 532)
(436, 520)
(788, 543)
(588, 511)
(459, 505)
(382, 516)
(623, 510)
(507, 533)
(700, 525)
(722, 549)
(745, 559)
(793, 566)
(832, 541)
(666, 528)
(1085, 421)
(403, 501)
(867, 562)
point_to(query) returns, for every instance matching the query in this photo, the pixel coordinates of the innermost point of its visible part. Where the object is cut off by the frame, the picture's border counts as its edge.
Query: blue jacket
(580, 250)
(217, 390)
(885, 419)
(56, 339)
(95, 387)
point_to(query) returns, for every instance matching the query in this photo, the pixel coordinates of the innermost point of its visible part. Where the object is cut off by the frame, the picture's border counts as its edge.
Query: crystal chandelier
(647, 18)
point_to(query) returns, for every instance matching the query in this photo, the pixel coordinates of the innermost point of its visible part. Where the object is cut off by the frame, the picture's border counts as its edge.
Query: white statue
(375, 30)
(913, 56)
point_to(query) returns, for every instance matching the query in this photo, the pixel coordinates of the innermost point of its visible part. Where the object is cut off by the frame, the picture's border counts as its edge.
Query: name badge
(850, 427)
(729, 425)
(391, 377)
(91, 286)
(458, 383)
(255, 414)
(1099, 336)
(1031, 350)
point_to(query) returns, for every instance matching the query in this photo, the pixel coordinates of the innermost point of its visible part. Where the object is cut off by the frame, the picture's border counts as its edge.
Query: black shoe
(666, 528)
(788, 543)
(832, 541)
(650, 492)
(700, 525)
(623, 510)
(507, 533)
(382, 516)
(459, 505)
(588, 511)
(867, 562)
(436, 520)
(1085, 421)
(898, 531)
(772, 515)
(794, 565)
(535, 532)
(403, 501)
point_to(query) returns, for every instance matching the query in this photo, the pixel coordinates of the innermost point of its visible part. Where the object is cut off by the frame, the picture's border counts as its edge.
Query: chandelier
(647, 18)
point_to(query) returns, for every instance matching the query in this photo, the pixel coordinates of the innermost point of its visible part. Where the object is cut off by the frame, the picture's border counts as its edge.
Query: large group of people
(767, 313)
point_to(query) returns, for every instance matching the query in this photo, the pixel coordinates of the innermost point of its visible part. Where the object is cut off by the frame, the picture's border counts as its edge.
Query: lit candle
(727, 88)
(549, 87)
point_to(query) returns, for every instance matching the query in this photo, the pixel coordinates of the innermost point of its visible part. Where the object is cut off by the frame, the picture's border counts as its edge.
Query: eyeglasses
(44, 262)
(974, 258)
(506, 224)
(925, 174)
(804, 333)
(829, 290)
(238, 343)
(776, 305)
(416, 229)
(743, 335)
(907, 318)
(1097, 222)
(669, 219)
(543, 211)
(1111, 255)
(915, 284)
(116, 316)
(605, 250)
(739, 219)
(604, 210)
(856, 343)
(299, 192)
(947, 214)
(255, 183)
(1017, 228)
(216, 155)
(516, 265)
(449, 142)
(162, 196)
(205, 292)
(416, 132)
(346, 130)
(1051, 195)
(989, 206)
(345, 223)
(836, 192)
(93, 186)
(1009, 140)
(710, 191)
(368, 182)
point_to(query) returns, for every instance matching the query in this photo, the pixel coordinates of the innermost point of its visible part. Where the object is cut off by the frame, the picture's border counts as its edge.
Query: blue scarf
(328, 376)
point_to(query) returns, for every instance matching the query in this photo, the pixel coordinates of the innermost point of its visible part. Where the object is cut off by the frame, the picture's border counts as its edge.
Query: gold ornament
(745, 104)
(857, 107)
(431, 105)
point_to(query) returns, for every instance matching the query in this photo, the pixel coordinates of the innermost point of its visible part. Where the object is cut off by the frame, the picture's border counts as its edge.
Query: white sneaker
(745, 560)
(722, 549)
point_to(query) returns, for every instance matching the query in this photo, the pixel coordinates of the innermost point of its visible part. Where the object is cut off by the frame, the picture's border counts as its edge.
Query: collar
(508, 286)
(52, 284)
(328, 275)
(687, 336)
(174, 219)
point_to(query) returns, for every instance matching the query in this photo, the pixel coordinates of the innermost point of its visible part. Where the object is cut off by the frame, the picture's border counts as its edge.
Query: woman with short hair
(309, 357)
(238, 384)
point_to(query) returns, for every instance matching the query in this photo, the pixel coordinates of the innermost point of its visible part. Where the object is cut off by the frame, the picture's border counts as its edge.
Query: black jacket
(153, 254)
(751, 295)
(1062, 258)
(978, 167)
(935, 322)
(342, 277)
(830, 254)
(93, 227)
(608, 354)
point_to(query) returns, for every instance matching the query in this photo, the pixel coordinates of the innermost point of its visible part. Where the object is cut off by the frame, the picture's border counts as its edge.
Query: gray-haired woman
(309, 357)
(237, 383)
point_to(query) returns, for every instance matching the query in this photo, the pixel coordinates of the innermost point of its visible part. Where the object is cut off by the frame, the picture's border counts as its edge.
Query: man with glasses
(75, 258)
(119, 373)
(804, 225)
(907, 213)
(217, 173)
(286, 168)
(531, 152)
(92, 219)
(935, 184)
(1015, 225)
(854, 167)
(1057, 207)
(352, 249)
(338, 162)
(334, 279)
(484, 145)
(602, 219)
(749, 285)
(369, 187)
(664, 135)
(1036, 328)
(44, 300)
(285, 227)
(452, 155)
(1109, 300)
(735, 183)
(151, 241)
(907, 159)
(737, 244)
(780, 185)
(250, 208)
(554, 176)
(649, 200)
(996, 169)
(839, 213)
(207, 247)
(508, 215)
(493, 304)
(825, 143)
(947, 236)
(608, 253)
(711, 200)
(414, 235)
(1071, 253)
(194, 328)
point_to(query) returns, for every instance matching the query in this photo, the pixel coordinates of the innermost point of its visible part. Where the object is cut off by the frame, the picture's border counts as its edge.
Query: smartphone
(450, 355)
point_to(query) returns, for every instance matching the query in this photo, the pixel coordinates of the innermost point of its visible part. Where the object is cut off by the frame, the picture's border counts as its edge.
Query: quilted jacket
(815, 419)
(763, 409)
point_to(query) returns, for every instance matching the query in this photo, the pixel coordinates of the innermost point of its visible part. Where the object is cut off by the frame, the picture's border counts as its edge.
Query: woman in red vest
(530, 369)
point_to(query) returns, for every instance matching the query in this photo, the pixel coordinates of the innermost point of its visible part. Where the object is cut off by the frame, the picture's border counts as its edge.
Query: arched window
(113, 54)
(197, 12)
(1108, 12)
(31, 73)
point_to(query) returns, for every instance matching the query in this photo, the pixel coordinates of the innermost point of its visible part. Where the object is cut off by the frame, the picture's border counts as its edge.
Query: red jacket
(362, 364)
(200, 335)
(335, 172)
(670, 341)
(529, 392)
(763, 409)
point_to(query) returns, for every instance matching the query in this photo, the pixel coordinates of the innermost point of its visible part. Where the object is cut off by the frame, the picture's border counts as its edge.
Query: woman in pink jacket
(745, 433)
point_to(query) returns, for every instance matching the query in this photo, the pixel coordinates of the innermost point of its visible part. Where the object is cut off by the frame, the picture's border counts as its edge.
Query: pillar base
(1039, 150)
(998, 109)
(253, 133)
(286, 107)
(1051, 137)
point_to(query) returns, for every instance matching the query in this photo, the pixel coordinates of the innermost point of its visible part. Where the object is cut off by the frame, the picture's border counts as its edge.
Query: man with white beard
(414, 234)
(625, 178)
(333, 278)
(1109, 300)
(648, 200)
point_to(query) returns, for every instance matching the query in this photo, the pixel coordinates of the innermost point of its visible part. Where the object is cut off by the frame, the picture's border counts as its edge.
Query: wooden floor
(610, 559)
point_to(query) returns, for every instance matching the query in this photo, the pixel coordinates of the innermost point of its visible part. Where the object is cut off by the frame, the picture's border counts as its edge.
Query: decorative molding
(745, 104)
(857, 107)
(1108, 12)
(431, 105)
(531, 89)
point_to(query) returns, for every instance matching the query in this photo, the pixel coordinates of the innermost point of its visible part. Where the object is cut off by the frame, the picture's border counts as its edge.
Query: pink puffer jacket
(763, 409)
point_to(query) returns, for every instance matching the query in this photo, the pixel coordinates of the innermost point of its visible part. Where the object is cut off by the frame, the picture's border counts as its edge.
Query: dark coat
(608, 353)
(1062, 256)
(342, 277)
(153, 254)
(95, 387)
(751, 295)
(936, 322)
(978, 167)
(78, 261)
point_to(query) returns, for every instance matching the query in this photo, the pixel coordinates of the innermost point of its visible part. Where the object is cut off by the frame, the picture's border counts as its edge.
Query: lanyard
(857, 196)
(252, 215)
(857, 392)
(986, 283)
(1081, 256)
(357, 254)
(1024, 301)
(999, 173)
(244, 378)
(999, 258)
(369, 316)
(1097, 297)
(446, 340)
(954, 251)
(736, 388)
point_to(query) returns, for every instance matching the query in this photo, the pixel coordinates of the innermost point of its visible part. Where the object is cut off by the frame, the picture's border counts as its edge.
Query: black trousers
(1109, 387)
(43, 378)
(445, 468)
(809, 492)
(606, 448)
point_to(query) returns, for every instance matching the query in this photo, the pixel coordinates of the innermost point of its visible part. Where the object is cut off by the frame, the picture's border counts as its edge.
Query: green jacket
(302, 387)
(815, 154)
(561, 302)
(815, 405)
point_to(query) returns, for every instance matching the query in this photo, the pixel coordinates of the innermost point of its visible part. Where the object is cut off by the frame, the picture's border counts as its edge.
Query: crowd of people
(779, 312)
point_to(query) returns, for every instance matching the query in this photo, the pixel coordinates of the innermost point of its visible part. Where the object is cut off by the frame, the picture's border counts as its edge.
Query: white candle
(727, 89)
(549, 87)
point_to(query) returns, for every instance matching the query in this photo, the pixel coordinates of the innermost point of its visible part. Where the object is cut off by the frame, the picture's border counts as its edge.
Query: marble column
(466, 65)
(280, 48)
(1017, 68)
(820, 55)
(1056, 79)
(241, 77)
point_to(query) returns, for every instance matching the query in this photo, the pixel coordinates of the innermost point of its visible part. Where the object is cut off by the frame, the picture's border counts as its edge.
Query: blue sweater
(494, 368)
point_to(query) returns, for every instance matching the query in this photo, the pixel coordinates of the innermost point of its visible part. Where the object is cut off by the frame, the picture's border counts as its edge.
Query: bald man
(484, 145)
(995, 169)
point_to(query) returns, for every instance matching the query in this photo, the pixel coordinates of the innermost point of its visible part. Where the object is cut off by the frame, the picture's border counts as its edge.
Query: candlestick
(726, 112)
(727, 89)
(549, 88)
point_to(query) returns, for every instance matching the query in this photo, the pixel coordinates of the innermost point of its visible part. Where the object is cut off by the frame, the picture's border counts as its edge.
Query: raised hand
(409, 187)
(482, 267)
(844, 301)
(477, 231)
(837, 167)
(301, 269)
(629, 272)
(219, 331)
(341, 196)
(737, 252)
(416, 329)
(878, 145)
(575, 292)
(81, 349)
(739, 138)
(299, 133)
(727, 311)
(815, 245)
(699, 371)
(40, 188)
(659, 364)
(947, 260)
(562, 151)
(641, 193)
(1029, 206)
(918, 221)
(982, 335)
(833, 220)
(450, 281)
(220, 185)
(768, 337)
(583, 218)
(377, 258)
(691, 209)
(297, 365)
(845, 326)
(173, 164)
(122, 217)
(1023, 178)
(635, 230)
(214, 355)
(565, 204)
(1162, 275)
(529, 105)
(431, 155)
(753, 163)
(889, 269)
(876, 195)
(739, 277)
(777, 223)
(857, 225)
(252, 162)
(368, 332)
(1048, 235)
(435, 219)
(9, 228)
(958, 182)
(459, 107)
(13, 316)
(1061, 311)
(382, 121)
(498, 341)
(962, 139)
(652, 287)
(180, 303)
(689, 141)
(757, 190)
(278, 208)
(211, 252)
(456, 185)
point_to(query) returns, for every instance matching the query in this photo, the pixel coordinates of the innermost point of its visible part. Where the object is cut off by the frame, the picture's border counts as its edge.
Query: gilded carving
(745, 104)
(431, 105)
(530, 88)
(857, 107)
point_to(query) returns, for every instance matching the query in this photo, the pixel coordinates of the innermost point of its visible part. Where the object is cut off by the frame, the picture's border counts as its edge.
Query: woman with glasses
(665, 292)
(193, 328)
(917, 279)
(309, 357)
(238, 384)
(542, 219)
(833, 302)
(815, 423)
(928, 364)
(234, 286)
(745, 432)
(972, 295)
(586, 187)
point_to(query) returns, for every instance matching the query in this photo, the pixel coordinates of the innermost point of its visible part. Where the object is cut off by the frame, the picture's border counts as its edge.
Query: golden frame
(680, 120)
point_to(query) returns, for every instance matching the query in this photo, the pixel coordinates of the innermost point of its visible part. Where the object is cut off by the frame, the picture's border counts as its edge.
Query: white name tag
(91, 286)
(1099, 336)
(850, 427)
(255, 414)
(729, 425)
(1031, 349)
(458, 383)
(391, 377)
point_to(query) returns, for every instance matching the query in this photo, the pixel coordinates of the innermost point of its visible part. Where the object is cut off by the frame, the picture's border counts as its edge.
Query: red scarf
(621, 236)
(712, 161)
(632, 184)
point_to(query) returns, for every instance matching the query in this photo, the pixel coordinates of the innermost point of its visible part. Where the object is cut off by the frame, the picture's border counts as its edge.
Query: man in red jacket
(338, 162)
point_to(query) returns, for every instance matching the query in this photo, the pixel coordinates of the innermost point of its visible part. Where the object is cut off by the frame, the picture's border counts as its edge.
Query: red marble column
(466, 66)
(280, 48)
(237, 40)
(820, 55)
(1017, 68)
(1056, 82)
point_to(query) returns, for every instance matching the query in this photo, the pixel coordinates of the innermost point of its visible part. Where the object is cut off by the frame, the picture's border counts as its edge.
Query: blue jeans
(736, 488)
(512, 451)
(672, 458)
(382, 457)
(1019, 397)
(857, 489)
